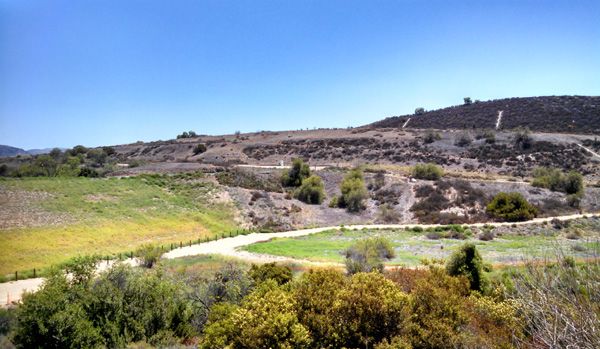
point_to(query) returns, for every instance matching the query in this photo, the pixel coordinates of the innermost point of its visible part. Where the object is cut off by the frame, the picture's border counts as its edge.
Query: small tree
(467, 261)
(511, 207)
(183, 135)
(354, 191)
(429, 171)
(312, 190)
(55, 153)
(467, 100)
(78, 149)
(294, 176)
(420, 111)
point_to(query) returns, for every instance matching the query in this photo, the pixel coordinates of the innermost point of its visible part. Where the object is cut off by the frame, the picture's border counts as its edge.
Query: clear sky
(99, 72)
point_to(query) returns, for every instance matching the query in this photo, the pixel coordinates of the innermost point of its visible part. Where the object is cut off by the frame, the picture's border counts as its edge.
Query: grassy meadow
(411, 246)
(107, 216)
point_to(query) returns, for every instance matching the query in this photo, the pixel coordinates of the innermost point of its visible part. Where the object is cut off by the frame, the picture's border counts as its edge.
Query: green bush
(148, 255)
(312, 190)
(427, 171)
(511, 207)
(368, 255)
(354, 191)
(294, 176)
(556, 180)
(467, 261)
(281, 274)
(88, 172)
(121, 306)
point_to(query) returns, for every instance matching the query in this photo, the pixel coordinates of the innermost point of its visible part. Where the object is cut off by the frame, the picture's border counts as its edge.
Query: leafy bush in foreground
(511, 207)
(122, 306)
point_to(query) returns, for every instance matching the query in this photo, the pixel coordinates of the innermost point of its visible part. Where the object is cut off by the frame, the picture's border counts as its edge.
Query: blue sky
(98, 72)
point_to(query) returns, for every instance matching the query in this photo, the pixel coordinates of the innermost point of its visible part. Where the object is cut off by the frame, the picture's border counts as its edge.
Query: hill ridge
(562, 114)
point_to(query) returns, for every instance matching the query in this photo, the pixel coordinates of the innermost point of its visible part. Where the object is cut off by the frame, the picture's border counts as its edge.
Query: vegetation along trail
(12, 291)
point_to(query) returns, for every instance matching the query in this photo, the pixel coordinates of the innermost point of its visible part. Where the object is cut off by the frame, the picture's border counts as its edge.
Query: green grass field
(411, 247)
(107, 216)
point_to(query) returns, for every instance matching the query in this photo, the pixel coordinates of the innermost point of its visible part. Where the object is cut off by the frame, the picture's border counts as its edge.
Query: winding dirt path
(12, 291)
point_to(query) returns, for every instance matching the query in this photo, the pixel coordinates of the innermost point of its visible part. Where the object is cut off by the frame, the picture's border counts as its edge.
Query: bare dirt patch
(20, 209)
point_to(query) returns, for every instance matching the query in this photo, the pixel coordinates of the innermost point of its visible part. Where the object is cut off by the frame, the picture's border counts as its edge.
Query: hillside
(6, 150)
(563, 114)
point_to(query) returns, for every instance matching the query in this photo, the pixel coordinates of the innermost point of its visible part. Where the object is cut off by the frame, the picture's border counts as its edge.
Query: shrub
(427, 171)
(266, 319)
(467, 261)
(431, 137)
(78, 150)
(294, 176)
(88, 172)
(463, 140)
(199, 148)
(419, 111)
(97, 156)
(121, 306)
(522, 139)
(312, 190)
(354, 192)
(511, 207)
(487, 235)
(489, 136)
(467, 100)
(555, 180)
(148, 255)
(367, 255)
(559, 295)
(189, 134)
(388, 214)
(281, 274)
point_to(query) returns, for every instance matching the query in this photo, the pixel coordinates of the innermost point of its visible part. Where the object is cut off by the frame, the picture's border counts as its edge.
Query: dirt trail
(12, 291)
(499, 119)
(406, 123)
(589, 150)
(280, 167)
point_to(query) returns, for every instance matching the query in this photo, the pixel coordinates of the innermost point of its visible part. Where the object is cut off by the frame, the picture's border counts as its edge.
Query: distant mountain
(6, 150)
(41, 151)
(562, 114)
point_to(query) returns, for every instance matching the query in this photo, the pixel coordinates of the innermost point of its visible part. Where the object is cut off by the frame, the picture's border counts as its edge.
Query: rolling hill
(561, 114)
